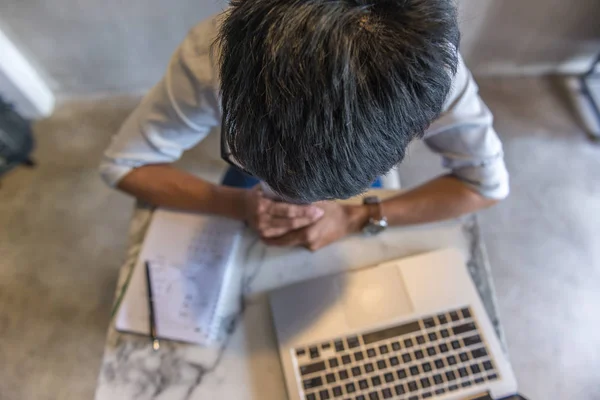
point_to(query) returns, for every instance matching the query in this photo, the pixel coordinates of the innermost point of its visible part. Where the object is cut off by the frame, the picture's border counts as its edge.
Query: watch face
(375, 227)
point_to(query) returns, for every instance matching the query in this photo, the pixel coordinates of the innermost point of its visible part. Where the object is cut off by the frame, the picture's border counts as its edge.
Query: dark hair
(320, 97)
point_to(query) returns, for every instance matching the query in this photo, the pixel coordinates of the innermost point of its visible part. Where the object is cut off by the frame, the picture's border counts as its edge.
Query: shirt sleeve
(466, 140)
(174, 116)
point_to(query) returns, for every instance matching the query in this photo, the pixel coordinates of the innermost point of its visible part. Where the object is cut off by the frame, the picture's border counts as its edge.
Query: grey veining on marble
(246, 365)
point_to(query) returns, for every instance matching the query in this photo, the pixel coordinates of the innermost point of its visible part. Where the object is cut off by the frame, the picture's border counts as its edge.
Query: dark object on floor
(16, 139)
(586, 79)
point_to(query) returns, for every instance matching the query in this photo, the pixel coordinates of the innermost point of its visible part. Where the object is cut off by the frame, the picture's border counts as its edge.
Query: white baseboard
(21, 84)
(574, 66)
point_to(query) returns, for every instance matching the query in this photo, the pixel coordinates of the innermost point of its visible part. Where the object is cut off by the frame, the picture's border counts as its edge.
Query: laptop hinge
(480, 396)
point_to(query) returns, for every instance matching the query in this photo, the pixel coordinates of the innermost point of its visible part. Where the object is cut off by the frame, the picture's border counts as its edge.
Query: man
(317, 98)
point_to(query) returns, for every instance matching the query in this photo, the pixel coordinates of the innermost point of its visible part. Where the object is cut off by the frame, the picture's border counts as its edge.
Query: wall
(93, 46)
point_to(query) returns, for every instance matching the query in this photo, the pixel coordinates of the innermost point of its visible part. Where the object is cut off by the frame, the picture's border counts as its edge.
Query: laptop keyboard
(416, 360)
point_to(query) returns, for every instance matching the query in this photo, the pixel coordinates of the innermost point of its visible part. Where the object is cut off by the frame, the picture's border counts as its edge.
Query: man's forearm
(164, 185)
(442, 198)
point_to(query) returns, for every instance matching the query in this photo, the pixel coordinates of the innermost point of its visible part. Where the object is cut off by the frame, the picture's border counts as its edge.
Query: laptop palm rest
(375, 295)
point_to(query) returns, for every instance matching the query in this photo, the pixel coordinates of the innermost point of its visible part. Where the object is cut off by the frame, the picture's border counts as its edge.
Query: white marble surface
(247, 365)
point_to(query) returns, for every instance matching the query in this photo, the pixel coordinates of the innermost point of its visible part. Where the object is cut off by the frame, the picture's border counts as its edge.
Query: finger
(286, 210)
(293, 238)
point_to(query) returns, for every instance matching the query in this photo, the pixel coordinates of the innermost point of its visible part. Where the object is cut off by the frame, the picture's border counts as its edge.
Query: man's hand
(337, 222)
(272, 219)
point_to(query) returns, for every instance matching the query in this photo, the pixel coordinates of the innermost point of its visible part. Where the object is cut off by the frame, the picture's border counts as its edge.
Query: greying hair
(320, 97)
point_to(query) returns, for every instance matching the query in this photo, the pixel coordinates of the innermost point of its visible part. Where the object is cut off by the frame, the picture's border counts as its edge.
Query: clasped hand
(312, 226)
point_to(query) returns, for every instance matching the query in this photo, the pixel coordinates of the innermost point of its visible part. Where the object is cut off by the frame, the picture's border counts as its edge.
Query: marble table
(246, 365)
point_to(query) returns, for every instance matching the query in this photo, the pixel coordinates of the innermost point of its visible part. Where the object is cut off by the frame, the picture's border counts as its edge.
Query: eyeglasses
(226, 154)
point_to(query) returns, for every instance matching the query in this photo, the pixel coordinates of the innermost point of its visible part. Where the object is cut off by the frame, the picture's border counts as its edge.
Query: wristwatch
(377, 222)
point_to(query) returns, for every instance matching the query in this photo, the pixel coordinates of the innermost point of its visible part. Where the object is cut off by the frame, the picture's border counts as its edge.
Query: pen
(153, 336)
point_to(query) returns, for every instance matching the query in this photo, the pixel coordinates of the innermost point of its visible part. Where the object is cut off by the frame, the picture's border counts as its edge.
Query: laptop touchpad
(373, 296)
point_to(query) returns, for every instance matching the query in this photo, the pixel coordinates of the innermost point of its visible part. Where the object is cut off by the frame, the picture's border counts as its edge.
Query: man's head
(320, 97)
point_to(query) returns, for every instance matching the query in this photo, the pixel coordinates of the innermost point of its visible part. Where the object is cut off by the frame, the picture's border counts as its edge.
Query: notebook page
(189, 255)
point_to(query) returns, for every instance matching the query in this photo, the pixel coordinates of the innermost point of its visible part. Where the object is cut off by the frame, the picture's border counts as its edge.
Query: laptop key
(475, 368)
(444, 333)
(412, 386)
(408, 342)
(492, 377)
(432, 336)
(360, 397)
(356, 371)
(420, 339)
(450, 376)
(487, 365)
(401, 373)
(371, 353)
(426, 395)
(373, 396)
(414, 370)
(452, 388)
(359, 356)
(462, 372)
(343, 374)
(381, 364)
(350, 388)
(438, 379)
(413, 398)
(479, 380)
(330, 378)
(353, 342)
(300, 352)
(394, 361)
(419, 354)
(451, 360)
(369, 368)
(326, 346)
(455, 344)
(464, 357)
(314, 352)
(311, 396)
(478, 353)
(426, 366)
(339, 346)
(383, 349)
(429, 322)
(363, 384)
(439, 363)
(468, 327)
(440, 391)
(376, 381)
(324, 394)
(389, 377)
(466, 384)
(454, 316)
(396, 346)
(425, 383)
(431, 351)
(442, 318)
(406, 358)
(387, 393)
(466, 313)
(444, 348)
(471, 340)
(312, 368)
(312, 383)
(333, 363)
(399, 389)
(337, 391)
(346, 359)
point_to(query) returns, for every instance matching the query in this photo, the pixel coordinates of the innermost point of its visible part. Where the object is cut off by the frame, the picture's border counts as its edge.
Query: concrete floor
(63, 236)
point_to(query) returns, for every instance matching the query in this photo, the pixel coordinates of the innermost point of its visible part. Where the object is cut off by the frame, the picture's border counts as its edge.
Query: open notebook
(192, 261)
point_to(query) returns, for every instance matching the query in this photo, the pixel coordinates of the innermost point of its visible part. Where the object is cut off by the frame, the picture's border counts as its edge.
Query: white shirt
(184, 106)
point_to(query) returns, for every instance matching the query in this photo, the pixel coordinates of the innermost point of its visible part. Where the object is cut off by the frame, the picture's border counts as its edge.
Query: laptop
(409, 329)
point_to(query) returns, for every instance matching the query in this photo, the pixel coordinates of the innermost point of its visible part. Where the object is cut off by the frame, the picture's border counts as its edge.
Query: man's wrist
(358, 217)
(231, 202)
